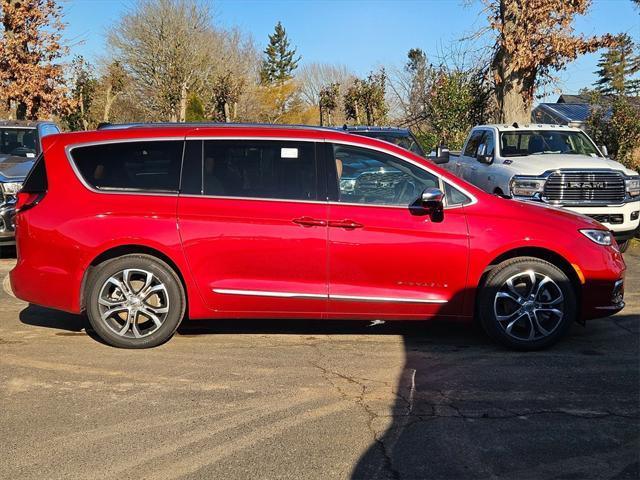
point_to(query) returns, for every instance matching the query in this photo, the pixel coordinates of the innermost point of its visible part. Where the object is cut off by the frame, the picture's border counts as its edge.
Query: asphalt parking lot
(325, 400)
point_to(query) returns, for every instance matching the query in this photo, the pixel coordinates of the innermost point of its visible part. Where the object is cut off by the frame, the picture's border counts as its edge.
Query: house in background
(571, 110)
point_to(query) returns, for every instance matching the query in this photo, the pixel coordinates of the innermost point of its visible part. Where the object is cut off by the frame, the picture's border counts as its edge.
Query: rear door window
(260, 169)
(152, 166)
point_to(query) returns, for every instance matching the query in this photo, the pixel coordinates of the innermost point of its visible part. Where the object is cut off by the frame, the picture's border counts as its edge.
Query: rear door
(253, 228)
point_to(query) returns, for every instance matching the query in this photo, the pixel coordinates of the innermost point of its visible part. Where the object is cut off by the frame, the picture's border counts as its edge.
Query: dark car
(20, 145)
(398, 136)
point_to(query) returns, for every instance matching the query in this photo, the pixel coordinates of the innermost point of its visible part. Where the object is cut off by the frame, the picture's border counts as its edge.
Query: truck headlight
(601, 237)
(10, 188)
(526, 186)
(632, 186)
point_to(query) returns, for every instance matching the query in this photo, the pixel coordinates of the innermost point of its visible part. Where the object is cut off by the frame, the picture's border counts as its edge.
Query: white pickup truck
(554, 164)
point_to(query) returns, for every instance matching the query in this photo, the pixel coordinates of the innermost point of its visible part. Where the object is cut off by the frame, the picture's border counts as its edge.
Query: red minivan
(140, 227)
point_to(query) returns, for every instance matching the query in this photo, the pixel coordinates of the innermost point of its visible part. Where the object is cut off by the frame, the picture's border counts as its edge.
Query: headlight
(601, 237)
(526, 186)
(11, 188)
(632, 185)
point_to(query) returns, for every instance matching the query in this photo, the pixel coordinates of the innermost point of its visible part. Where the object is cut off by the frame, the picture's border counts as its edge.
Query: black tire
(496, 300)
(624, 245)
(170, 297)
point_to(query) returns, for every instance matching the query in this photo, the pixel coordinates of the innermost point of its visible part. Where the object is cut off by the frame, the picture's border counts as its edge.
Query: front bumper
(7, 223)
(623, 220)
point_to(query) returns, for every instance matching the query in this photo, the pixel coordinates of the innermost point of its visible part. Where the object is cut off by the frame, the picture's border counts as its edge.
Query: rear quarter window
(152, 166)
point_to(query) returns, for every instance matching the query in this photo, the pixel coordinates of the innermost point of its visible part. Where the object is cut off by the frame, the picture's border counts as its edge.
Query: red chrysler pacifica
(140, 227)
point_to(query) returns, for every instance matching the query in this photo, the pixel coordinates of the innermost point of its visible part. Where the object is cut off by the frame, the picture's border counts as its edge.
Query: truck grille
(575, 188)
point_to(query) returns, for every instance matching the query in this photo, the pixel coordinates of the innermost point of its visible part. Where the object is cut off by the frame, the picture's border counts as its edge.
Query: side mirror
(482, 156)
(442, 154)
(432, 200)
(604, 150)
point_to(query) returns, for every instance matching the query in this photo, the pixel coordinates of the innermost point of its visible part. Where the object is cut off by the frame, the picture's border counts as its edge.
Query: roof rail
(114, 126)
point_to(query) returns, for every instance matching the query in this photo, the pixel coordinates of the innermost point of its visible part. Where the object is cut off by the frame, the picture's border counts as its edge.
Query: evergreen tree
(616, 67)
(280, 59)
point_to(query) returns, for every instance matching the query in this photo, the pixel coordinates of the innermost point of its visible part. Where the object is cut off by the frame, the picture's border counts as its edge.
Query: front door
(387, 257)
(253, 230)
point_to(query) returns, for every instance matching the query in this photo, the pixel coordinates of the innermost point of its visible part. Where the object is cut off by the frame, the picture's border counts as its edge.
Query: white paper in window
(289, 153)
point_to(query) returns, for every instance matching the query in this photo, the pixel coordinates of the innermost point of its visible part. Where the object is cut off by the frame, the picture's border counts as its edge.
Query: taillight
(25, 201)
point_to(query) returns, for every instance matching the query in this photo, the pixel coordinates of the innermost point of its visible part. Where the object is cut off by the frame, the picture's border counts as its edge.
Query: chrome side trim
(344, 298)
(357, 298)
(262, 293)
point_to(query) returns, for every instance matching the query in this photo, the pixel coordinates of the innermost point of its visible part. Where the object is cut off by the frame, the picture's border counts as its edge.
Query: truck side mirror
(482, 156)
(442, 154)
(604, 150)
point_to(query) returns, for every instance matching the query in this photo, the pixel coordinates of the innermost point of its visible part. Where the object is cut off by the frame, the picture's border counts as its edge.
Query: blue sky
(360, 34)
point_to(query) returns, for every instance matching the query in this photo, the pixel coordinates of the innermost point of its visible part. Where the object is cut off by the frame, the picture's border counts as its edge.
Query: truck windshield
(18, 141)
(540, 142)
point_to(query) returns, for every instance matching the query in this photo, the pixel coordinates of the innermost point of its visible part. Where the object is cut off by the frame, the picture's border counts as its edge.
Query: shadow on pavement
(48, 318)
(7, 251)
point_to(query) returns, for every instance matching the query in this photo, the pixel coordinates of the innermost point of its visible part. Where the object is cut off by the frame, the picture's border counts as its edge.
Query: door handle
(347, 224)
(309, 222)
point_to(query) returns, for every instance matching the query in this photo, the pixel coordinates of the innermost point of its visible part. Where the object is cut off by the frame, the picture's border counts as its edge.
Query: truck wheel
(135, 301)
(527, 303)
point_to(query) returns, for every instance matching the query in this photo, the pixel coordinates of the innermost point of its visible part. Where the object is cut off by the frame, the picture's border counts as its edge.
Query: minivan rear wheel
(135, 301)
(527, 303)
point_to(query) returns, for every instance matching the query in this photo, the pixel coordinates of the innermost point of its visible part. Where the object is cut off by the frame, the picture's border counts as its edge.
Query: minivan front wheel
(135, 301)
(527, 303)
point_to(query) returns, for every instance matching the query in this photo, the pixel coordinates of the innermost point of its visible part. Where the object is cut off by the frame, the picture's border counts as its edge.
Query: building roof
(569, 112)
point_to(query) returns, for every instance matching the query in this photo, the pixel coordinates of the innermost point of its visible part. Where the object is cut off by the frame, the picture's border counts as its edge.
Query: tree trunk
(227, 114)
(21, 111)
(512, 102)
(108, 103)
(183, 103)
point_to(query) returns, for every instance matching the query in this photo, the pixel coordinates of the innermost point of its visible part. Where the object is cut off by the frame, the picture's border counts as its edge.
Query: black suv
(399, 136)
(20, 144)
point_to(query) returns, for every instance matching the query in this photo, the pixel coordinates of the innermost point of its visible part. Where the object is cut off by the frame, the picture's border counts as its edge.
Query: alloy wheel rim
(529, 306)
(133, 303)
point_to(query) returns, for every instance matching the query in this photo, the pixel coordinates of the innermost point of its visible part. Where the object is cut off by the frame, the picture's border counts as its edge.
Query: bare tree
(230, 71)
(165, 46)
(114, 82)
(313, 77)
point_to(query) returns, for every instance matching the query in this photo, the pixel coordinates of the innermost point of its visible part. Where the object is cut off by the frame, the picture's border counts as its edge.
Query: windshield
(402, 140)
(540, 142)
(18, 141)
